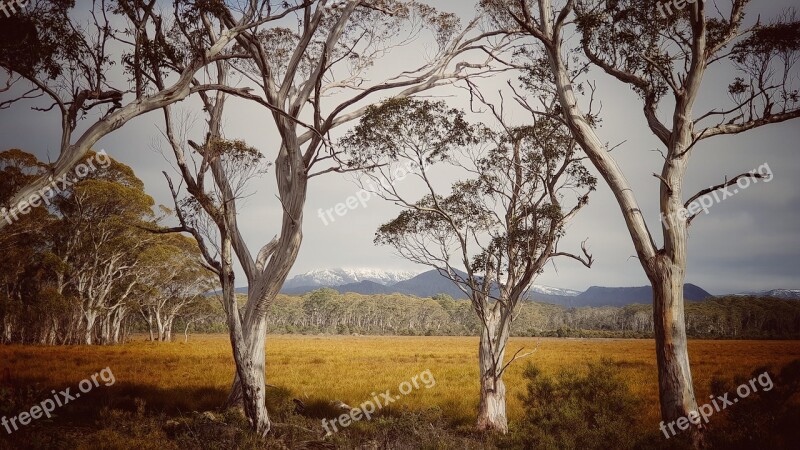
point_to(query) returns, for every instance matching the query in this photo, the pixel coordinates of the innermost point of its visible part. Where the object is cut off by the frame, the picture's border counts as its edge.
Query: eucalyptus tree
(501, 224)
(55, 60)
(174, 281)
(75, 258)
(100, 247)
(664, 59)
(18, 241)
(309, 77)
(203, 312)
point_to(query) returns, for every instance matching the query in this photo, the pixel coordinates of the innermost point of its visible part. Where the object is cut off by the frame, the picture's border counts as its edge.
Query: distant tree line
(327, 311)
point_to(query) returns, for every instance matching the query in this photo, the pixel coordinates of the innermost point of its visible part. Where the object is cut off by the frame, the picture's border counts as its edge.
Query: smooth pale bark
(665, 268)
(91, 318)
(160, 327)
(186, 331)
(116, 328)
(249, 369)
(255, 324)
(667, 273)
(149, 320)
(675, 387)
(8, 329)
(492, 407)
(252, 342)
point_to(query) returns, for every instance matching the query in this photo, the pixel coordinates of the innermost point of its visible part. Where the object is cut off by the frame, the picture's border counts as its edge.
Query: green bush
(765, 419)
(586, 409)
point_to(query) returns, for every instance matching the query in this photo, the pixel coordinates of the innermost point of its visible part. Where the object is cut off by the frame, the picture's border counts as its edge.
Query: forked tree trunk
(160, 327)
(492, 407)
(249, 365)
(267, 286)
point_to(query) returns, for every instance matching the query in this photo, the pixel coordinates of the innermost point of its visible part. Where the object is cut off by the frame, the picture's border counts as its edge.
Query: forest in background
(96, 262)
(88, 267)
(90, 270)
(327, 311)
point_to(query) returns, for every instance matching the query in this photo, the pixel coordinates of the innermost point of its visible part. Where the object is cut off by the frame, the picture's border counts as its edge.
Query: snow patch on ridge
(341, 276)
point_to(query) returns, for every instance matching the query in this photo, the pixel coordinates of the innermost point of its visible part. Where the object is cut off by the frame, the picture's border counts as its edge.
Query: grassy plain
(350, 368)
(176, 378)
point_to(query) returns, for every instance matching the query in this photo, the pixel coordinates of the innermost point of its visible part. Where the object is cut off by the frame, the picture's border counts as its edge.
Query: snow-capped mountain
(539, 289)
(786, 294)
(378, 281)
(791, 294)
(342, 276)
(431, 283)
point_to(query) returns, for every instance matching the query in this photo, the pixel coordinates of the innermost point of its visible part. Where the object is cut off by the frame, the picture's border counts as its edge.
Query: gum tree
(495, 230)
(90, 72)
(18, 168)
(309, 77)
(96, 248)
(664, 60)
(174, 282)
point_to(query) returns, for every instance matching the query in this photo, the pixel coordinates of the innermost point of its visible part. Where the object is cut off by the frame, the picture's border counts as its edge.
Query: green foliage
(85, 250)
(507, 212)
(764, 419)
(327, 311)
(40, 40)
(586, 409)
(386, 129)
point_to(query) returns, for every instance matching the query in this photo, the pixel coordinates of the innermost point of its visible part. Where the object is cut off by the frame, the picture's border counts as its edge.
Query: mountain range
(430, 283)
(786, 294)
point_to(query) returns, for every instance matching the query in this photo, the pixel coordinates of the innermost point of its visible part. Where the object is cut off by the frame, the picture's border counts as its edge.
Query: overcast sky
(747, 242)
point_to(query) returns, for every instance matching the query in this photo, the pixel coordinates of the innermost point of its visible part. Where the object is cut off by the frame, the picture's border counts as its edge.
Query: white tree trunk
(249, 364)
(91, 318)
(665, 268)
(116, 326)
(186, 331)
(168, 331)
(160, 326)
(674, 374)
(8, 329)
(667, 274)
(492, 407)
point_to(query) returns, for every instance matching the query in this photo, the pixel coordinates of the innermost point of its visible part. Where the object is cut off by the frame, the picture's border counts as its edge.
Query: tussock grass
(177, 379)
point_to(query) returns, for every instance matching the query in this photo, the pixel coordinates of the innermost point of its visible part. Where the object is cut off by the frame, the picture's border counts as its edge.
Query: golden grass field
(196, 375)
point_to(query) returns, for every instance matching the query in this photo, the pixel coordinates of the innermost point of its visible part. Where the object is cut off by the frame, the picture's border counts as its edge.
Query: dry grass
(196, 376)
